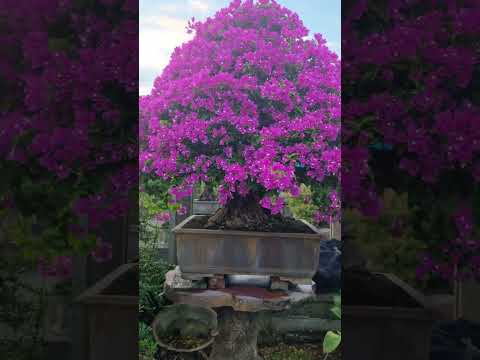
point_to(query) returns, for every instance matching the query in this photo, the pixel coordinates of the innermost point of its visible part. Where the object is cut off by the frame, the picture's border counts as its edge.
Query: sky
(163, 22)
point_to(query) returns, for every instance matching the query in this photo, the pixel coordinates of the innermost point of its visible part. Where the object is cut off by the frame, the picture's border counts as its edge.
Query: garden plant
(410, 108)
(251, 107)
(68, 143)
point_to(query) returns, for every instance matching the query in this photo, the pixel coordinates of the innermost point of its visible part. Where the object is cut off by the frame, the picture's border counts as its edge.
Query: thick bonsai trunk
(237, 338)
(241, 213)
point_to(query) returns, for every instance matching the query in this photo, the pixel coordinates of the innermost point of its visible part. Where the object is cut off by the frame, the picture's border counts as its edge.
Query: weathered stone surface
(185, 321)
(297, 281)
(191, 276)
(174, 280)
(277, 284)
(238, 307)
(237, 338)
(246, 299)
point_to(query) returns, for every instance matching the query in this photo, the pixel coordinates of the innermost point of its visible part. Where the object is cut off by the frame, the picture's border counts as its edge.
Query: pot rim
(320, 234)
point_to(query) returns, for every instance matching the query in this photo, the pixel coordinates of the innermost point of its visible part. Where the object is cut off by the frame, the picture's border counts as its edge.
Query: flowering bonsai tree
(68, 148)
(411, 111)
(250, 105)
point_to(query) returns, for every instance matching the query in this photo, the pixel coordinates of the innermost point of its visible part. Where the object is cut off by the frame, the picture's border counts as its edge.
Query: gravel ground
(271, 352)
(296, 352)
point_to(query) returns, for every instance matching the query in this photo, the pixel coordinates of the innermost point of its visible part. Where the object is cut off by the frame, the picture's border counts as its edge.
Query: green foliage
(37, 239)
(301, 206)
(149, 207)
(146, 342)
(153, 199)
(332, 339)
(21, 312)
(337, 307)
(153, 196)
(390, 242)
(152, 277)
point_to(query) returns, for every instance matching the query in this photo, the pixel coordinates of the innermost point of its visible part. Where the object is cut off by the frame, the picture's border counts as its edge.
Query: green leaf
(337, 312)
(331, 341)
(337, 300)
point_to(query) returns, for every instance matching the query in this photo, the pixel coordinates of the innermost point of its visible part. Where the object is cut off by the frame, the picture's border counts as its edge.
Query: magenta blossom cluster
(70, 69)
(59, 267)
(460, 257)
(252, 105)
(412, 72)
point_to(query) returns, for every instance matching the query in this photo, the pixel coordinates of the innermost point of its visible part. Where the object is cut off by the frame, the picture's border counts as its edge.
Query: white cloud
(168, 8)
(159, 35)
(144, 89)
(199, 5)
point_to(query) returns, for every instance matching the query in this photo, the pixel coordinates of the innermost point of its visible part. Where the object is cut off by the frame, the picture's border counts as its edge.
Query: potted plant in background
(205, 201)
(252, 108)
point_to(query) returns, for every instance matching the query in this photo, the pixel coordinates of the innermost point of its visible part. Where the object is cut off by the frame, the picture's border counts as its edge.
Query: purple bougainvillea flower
(103, 251)
(163, 217)
(182, 211)
(251, 105)
(61, 127)
(60, 267)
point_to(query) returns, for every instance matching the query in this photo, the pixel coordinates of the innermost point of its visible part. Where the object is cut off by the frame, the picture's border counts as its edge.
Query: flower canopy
(410, 121)
(251, 104)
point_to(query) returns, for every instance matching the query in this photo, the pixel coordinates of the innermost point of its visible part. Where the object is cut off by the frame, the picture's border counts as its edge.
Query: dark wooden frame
(107, 316)
(393, 333)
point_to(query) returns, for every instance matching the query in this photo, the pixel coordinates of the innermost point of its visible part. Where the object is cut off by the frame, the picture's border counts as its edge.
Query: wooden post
(177, 219)
(336, 230)
(172, 246)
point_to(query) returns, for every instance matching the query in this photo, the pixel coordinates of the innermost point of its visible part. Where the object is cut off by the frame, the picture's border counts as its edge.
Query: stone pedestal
(237, 337)
(238, 308)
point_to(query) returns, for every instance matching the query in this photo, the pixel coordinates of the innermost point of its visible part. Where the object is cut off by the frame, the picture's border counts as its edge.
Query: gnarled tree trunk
(237, 338)
(241, 213)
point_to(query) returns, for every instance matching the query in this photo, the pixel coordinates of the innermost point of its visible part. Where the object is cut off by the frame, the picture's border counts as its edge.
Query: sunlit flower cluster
(250, 104)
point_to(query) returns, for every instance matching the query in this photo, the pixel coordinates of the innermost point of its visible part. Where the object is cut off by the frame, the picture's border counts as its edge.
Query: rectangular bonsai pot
(203, 251)
(393, 333)
(112, 312)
